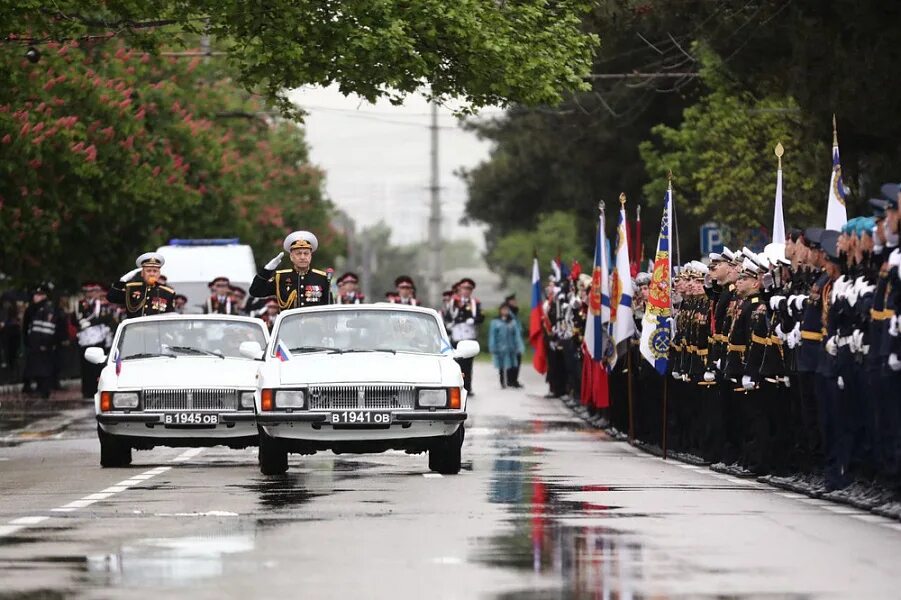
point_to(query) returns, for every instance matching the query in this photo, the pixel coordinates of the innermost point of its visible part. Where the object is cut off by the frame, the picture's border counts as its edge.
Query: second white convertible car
(357, 379)
(176, 380)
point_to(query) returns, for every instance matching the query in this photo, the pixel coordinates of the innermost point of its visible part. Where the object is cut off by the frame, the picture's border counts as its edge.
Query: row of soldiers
(783, 361)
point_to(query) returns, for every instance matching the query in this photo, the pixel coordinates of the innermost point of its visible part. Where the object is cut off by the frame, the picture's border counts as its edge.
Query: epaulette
(167, 288)
(319, 272)
(284, 270)
(134, 283)
(755, 300)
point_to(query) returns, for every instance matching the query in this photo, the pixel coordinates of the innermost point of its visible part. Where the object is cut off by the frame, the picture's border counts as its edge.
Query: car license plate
(191, 419)
(361, 418)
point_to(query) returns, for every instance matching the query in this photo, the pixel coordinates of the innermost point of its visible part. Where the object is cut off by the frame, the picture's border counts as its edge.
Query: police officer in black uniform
(140, 291)
(300, 285)
(40, 341)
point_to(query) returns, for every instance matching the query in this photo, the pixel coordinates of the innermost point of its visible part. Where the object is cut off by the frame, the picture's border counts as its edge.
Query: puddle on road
(287, 491)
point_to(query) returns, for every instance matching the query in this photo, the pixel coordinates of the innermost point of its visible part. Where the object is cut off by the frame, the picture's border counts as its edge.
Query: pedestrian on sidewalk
(505, 345)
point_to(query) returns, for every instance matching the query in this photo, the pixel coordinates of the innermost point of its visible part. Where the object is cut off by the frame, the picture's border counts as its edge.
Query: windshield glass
(362, 330)
(187, 337)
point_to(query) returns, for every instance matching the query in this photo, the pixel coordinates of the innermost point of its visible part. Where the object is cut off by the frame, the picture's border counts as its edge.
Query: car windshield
(187, 337)
(362, 331)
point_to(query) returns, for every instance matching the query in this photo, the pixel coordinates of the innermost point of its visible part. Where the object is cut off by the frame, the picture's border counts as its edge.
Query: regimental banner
(657, 325)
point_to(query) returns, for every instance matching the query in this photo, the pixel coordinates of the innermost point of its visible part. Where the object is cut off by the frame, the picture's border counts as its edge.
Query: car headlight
(433, 398)
(125, 400)
(246, 399)
(289, 399)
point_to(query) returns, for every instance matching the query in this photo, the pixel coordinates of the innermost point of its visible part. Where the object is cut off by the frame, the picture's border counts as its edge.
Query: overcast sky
(376, 159)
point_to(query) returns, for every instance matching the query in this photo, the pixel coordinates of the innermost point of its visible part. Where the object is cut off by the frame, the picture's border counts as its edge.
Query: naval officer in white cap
(300, 285)
(140, 291)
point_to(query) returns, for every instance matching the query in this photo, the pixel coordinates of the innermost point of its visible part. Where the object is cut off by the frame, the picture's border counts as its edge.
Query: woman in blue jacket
(505, 343)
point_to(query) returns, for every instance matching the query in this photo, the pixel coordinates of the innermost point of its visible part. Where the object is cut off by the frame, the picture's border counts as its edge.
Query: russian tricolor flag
(536, 333)
(596, 337)
(282, 352)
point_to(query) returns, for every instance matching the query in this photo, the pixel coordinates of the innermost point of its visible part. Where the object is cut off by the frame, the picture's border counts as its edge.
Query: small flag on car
(282, 352)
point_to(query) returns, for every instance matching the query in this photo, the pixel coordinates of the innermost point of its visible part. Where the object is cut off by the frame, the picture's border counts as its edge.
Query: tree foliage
(482, 52)
(721, 156)
(555, 235)
(107, 151)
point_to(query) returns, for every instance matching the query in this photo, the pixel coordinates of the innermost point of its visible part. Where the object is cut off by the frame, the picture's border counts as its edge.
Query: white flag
(836, 213)
(778, 221)
(621, 289)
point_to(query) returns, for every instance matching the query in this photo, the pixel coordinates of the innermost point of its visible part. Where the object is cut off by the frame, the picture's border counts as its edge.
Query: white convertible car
(176, 380)
(360, 378)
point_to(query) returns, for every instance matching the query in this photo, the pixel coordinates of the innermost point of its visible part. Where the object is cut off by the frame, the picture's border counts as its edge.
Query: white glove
(893, 362)
(796, 334)
(470, 321)
(747, 383)
(841, 383)
(856, 341)
(272, 264)
(84, 323)
(717, 364)
(799, 302)
(893, 326)
(768, 280)
(831, 347)
(774, 302)
(677, 375)
(787, 381)
(127, 277)
(894, 259)
(709, 376)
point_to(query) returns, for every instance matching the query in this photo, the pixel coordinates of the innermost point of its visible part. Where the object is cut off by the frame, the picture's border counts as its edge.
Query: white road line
(28, 520)
(432, 475)
(114, 489)
(97, 496)
(10, 529)
(187, 455)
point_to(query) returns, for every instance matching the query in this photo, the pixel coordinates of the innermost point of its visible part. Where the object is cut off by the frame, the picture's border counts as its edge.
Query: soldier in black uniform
(95, 327)
(219, 301)
(139, 290)
(40, 341)
(348, 290)
(465, 315)
(300, 285)
(406, 291)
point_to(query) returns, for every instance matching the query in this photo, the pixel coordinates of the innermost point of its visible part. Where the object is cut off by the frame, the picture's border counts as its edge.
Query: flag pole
(677, 254)
(622, 202)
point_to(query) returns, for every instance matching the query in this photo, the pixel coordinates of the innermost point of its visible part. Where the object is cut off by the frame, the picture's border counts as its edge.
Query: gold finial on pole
(779, 152)
(601, 206)
(834, 131)
(669, 179)
(622, 198)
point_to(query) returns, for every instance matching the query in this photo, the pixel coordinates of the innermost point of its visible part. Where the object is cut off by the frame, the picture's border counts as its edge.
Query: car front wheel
(273, 457)
(113, 451)
(446, 455)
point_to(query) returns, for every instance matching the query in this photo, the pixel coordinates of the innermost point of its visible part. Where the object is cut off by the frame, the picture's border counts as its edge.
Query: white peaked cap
(299, 237)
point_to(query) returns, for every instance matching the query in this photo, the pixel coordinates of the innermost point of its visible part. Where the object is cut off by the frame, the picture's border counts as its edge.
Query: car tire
(272, 456)
(114, 452)
(446, 456)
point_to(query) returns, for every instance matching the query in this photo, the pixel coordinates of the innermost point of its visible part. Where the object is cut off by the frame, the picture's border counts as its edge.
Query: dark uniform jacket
(40, 340)
(352, 298)
(140, 299)
(215, 306)
(293, 289)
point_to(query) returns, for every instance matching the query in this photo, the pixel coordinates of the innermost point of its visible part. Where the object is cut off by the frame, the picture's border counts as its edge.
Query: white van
(192, 264)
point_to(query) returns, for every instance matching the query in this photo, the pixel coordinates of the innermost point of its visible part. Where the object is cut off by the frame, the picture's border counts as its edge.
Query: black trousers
(90, 373)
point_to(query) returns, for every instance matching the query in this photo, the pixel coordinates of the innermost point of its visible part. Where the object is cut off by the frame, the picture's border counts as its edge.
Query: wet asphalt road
(545, 508)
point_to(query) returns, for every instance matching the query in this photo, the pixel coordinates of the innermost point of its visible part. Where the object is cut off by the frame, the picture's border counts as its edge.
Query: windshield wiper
(148, 355)
(316, 349)
(371, 350)
(191, 350)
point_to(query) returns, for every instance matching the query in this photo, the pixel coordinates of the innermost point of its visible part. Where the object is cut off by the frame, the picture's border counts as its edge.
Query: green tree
(555, 235)
(482, 52)
(721, 156)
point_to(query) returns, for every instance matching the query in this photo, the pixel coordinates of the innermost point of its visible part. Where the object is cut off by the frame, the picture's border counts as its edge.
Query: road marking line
(432, 475)
(10, 529)
(115, 489)
(129, 482)
(187, 455)
(97, 496)
(79, 504)
(63, 509)
(895, 526)
(28, 520)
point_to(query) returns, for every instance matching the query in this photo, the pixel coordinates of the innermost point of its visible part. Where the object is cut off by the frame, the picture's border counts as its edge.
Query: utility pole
(435, 242)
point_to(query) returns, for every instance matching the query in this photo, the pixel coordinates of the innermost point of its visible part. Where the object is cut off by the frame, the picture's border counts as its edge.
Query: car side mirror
(466, 349)
(251, 350)
(95, 355)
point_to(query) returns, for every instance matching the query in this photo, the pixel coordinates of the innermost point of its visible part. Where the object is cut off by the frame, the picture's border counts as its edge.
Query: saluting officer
(139, 290)
(300, 285)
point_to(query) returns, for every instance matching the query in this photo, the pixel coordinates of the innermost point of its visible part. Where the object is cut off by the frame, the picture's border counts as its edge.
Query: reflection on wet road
(544, 508)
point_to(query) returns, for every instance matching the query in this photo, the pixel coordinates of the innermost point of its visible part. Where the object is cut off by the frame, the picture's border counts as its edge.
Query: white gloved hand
(775, 301)
(127, 277)
(799, 302)
(470, 321)
(841, 382)
(893, 362)
(893, 326)
(677, 375)
(787, 381)
(709, 377)
(747, 383)
(717, 364)
(856, 341)
(779, 333)
(272, 264)
(831, 346)
(84, 323)
(894, 259)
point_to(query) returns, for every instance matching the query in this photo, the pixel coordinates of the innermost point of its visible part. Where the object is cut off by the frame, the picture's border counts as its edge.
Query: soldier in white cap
(300, 285)
(139, 290)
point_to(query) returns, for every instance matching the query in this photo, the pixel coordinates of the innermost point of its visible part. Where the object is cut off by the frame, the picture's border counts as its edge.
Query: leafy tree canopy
(481, 52)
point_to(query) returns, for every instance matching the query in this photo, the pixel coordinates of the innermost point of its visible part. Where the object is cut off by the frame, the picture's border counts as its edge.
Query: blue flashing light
(207, 242)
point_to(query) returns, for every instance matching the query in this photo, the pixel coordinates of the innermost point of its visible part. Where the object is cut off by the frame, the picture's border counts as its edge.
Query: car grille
(191, 399)
(356, 397)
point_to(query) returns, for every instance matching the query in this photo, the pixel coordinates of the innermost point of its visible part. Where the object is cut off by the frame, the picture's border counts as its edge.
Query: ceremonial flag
(836, 213)
(536, 332)
(596, 337)
(282, 352)
(657, 325)
(778, 221)
(621, 288)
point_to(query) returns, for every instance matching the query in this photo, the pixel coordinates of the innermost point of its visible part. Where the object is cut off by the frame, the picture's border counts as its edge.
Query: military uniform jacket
(140, 299)
(720, 325)
(464, 317)
(812, 322)
(96, 322)
(215, 306)
(758, 336)
(293, 289)
(739, 337)
(352, 298)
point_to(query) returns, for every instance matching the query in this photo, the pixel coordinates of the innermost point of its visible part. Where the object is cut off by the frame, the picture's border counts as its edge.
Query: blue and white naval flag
(836, 213)
(597, 336)
(621, 288)
(657, 325)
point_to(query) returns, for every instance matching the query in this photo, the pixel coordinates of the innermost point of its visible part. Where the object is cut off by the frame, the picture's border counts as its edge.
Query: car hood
(188, 371)
(361, 367)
